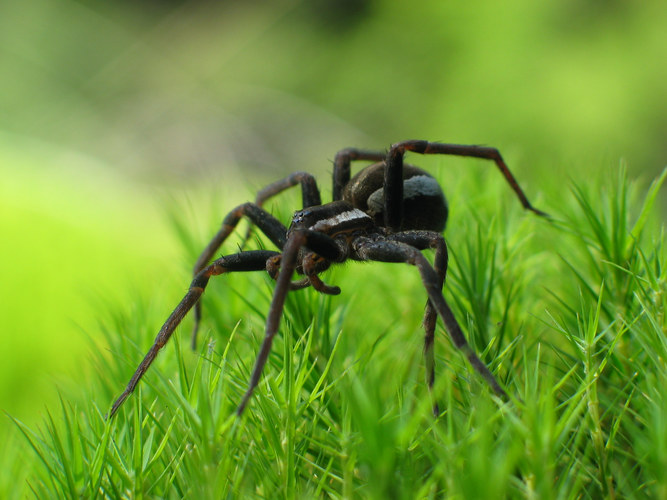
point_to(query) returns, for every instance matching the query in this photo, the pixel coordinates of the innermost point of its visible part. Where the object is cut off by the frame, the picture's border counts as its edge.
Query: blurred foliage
(104, 103)
(68, 248)
(179, 88)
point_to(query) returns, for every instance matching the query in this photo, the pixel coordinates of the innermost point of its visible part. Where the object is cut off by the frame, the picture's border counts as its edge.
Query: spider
(388, 212)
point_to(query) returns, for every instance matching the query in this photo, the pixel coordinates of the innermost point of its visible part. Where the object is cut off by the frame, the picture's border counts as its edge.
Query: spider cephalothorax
(388, 212)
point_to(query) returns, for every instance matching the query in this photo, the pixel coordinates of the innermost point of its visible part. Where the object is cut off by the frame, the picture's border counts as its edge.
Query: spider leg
(384, 250)
(342, 172)
(267, 223)
(393, 193)
(423, 240)
(310, 193)
(317, 242)
(244, 261)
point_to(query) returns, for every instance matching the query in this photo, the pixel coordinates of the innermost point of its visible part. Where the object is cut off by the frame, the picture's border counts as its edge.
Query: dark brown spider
(388, 212)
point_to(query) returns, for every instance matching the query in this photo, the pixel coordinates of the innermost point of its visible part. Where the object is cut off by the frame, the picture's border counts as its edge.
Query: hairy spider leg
(310, 193)
(422, 240)
(342, 169)
(299, 238)
(268, 224)
(383, 250)
(393, 193)
(254, 260)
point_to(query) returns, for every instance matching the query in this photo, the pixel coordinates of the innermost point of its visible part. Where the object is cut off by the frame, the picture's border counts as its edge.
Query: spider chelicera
(388, 212)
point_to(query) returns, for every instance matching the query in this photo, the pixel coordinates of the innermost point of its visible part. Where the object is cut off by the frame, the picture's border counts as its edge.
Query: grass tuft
(570, 314)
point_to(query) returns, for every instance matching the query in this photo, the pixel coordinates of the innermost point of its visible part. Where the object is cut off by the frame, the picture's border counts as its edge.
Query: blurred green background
(114, 113)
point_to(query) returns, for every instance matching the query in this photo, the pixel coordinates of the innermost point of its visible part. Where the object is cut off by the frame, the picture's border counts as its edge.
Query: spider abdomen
(424, 203)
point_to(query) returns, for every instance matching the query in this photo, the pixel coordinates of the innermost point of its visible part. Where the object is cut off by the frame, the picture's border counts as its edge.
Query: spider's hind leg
(423, 240)
(342, 167)
(393, 194)
(386, 250)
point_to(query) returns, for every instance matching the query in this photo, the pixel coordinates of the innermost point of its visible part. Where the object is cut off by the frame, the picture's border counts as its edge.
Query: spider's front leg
(268, 224)
(241, 262)
(259, 217)
(315, 241)
(384, 250)
(310, 193)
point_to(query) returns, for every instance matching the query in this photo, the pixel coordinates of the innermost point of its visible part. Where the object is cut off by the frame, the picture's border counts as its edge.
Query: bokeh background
(115, 114)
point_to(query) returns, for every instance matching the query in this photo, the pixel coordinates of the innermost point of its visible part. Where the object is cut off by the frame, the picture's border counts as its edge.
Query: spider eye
(297, 218)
